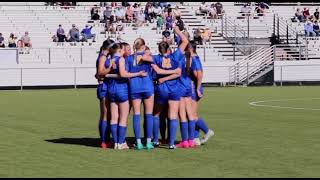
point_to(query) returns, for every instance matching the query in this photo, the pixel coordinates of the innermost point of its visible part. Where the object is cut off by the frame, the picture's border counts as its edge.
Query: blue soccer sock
(184, 131)
(197, 132)
(108, 132)
(192, 128)
(173, 130)
(202, 125)
(156, 129)
(114, 132)
(149, 125)
(121, 134)
(136, 126)
(100, 122)
(103, 129)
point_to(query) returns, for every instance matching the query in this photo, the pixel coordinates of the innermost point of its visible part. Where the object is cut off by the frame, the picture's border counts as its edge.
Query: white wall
(297, 70)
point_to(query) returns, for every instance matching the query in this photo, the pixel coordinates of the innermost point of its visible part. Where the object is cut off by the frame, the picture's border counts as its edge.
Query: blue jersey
(195, 66)
(117, 84)
(140, 84)
(169, 62)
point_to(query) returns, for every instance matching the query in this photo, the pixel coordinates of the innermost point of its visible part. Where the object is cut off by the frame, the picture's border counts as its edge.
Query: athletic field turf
(53, 133)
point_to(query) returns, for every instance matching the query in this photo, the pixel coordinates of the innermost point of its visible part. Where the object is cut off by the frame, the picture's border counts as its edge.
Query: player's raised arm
(184, 39)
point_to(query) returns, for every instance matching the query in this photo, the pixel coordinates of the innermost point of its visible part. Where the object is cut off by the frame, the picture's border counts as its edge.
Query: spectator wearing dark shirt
(107, 13)
(60, 34)
(316, 28)
(316, 14)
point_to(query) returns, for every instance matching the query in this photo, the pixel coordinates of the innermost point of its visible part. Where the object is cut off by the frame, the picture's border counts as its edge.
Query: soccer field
(53, 133)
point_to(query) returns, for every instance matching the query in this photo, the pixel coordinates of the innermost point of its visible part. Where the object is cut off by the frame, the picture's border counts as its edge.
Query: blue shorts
(142, 95)
(195, 96)
(102, 91)
(118, 97)
(163, 95)
(185, 92)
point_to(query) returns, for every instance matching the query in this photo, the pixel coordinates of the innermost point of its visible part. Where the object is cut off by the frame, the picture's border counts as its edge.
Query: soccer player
(118, 96)
(102, 70)
(168, 88)
(141, 90)
(196, 74)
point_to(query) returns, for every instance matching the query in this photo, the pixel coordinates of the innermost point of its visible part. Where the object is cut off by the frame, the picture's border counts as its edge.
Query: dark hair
(192, 44)
(123, 44)
(113, 49)
(163, 47)
(106, 45)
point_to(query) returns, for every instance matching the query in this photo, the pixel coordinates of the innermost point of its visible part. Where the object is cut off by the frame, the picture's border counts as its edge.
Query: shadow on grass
(95, 142)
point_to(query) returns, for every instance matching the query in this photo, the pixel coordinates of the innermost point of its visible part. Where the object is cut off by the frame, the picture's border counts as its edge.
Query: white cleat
(197, 141)
(207, 136)
(116, 145)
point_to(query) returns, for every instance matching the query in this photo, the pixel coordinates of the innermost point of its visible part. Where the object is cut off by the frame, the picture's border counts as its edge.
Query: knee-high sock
(156, 127)
(197, 132)
(168, 127)
(202, 125)
(114, 131)
(103, 128)
(100, 122)
(192, 128)
(121, 134)
(136, 126)
(184, 130)
(149, 126)
(108, 132)
(144, 127)
(173, 131)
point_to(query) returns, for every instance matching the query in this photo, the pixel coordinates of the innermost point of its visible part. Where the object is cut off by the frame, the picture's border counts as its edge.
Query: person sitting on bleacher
(120, 13)
(12, 41)
(129, 14)
(306, 13)
(141, 18)
(26, 41)
(2, 41)
(219, 8)
(316, 28)
(299, 15)
(74, 34)
(88, 34)
(107, 13)
(157, 10)
(308, 29)
(197, 36)
(60, 34)
(213, 11)
(203, 8)
(169, 21)
(206, 35)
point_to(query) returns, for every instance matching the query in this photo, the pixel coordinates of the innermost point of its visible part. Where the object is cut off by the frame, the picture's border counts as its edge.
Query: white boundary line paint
(257, 103)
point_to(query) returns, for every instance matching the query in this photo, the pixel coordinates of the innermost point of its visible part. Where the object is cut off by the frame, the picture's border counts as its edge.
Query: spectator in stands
(163, 5)
(12, 41)
(176, 12)
(306, 13)
(60, 34)
(95, 16)
(141, 18)
(166, 37)
(129, 14)
(110, 26)
(119, 26)
(245, 10)
(157, 11)
(2, 41)
(316, 14)
(203, 8)
(148, 11)
(136, 10)
(55, 38)
(213, 12)
(26, 41)
(299, 15)
(93, 10)
(88, 34)
(197, 36)
(316, 28)
(107, 14)
(120, 14)
(206, 35)
(169, 21)
(219, 8)
(74, 34)
(308, 29)
(160, 24)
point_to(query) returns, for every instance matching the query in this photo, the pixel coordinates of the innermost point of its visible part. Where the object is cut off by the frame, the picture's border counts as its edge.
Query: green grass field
(249, 141)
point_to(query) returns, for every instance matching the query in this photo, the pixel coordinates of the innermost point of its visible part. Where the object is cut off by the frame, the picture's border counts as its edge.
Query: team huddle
(168, 85)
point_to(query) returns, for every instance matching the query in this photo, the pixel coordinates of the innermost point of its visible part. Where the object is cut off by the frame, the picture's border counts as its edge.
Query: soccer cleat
(156, 144)
(191, 143)
(139, 146)
(104, 145)
(183, 144)
(123, 146)
(116, 145)
(197, 141)
(149, 146)
(172, 147)
(207, 136)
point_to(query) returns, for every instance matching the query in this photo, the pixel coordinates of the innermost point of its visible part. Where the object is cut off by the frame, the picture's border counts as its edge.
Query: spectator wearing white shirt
(157, 10)
(120, 13)
(141, 18)
(203, 8)
(213, 12)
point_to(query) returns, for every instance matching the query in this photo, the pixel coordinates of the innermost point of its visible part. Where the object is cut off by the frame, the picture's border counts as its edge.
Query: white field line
(258, 104)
